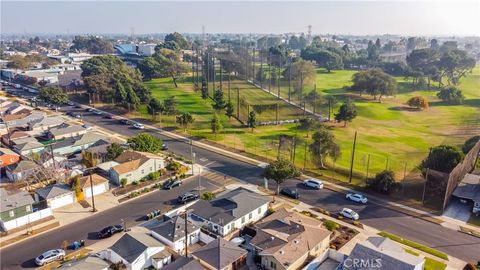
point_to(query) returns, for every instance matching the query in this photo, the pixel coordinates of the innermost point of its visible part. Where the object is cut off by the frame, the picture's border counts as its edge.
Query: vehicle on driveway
(50, 256)
(313, 183)
(138, 126)
(349, 213)
(109, 231)
(187, 197)
(172, 184)
(357, 198)
(290, 192)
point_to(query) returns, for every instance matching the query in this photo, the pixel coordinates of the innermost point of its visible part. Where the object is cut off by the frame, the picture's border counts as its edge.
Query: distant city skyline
(431, 18)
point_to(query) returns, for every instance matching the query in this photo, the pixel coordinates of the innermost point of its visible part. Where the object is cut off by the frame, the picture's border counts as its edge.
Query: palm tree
(90, 161)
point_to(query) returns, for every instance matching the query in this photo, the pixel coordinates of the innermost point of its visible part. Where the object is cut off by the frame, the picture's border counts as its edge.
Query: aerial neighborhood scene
(240, 135)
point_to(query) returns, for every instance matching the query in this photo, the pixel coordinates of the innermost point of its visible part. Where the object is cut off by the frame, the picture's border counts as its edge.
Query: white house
(172, 233)
(57, 195)
(230, 211)
(135, 166)
(100, 185)
(137, 250)
(58, 133)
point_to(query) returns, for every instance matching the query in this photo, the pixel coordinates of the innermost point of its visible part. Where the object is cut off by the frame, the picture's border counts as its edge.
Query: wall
(26, 219)
(205, 238)
(137, 174)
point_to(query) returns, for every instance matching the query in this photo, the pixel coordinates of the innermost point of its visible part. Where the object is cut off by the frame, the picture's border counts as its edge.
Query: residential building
(135, 165)
(17, 209)
(87, 263)
(100, 148)
(469, 189)
(27, 146)
(230, 211)
(61, 132)
(44, 124)
(76, 144)
(100, 185)
(221, 254)
(183, 263)
(57, 195)
(172, 233)
(136, 250)
(146, 49)
(22, 170)
(380, 252)
(286, 240)
(8, 157)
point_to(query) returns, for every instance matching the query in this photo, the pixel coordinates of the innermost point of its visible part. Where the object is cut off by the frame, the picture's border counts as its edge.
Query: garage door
(98, 189)
(60, 201)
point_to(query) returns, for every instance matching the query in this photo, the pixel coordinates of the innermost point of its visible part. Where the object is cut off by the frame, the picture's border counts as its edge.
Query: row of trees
(92, 44)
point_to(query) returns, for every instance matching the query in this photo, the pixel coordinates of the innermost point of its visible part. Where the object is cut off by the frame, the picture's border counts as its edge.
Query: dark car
(164, 146)
(124, 121)
(290, 192)
(187, 197)
(109, 231)
(108, 116)
(172, 184)
(78, 106)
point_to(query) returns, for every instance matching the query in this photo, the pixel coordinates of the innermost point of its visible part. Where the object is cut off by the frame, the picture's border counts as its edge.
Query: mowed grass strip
(415, 245)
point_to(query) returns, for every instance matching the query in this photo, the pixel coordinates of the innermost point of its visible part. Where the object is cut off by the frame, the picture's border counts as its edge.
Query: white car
(87, 126)
(238, 241)
(50, 256)
(357, 198)
(313, 183)
(138, 126)
(349, 213)
(97, 112)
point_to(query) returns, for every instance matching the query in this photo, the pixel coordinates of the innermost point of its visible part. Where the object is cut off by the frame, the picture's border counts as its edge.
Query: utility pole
(269, 71)
(353, 157)
(290, 79)
(261, 68)
(278, 77)
(192, 154)
(221, 75)
(305, 156)
(186, 234)
(368, 167)
(314, 98)
(425, 185)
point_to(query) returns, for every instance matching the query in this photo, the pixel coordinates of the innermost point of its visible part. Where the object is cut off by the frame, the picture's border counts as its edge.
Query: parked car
(108, 116)
(72, 114)
(97, 112)
(50, 256)
(70, 103)
(124, 121)
(172, 184)
(78, 106)
(313, 183)
(164, 146)
(238, 241)
(290, 192)
(87, 126)
(138, 126)
(357, 198)
(349, 213)
(187, 197)
(109, 231)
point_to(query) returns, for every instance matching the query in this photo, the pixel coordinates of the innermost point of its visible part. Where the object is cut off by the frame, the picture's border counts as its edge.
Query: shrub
(340, 217)
(135, 183)
(415, 245)
(330, 225)
(383, 182)
(208, 196)
(154, 175)
(418, 102)
(133, 194)
(270, 211)
(123, 182)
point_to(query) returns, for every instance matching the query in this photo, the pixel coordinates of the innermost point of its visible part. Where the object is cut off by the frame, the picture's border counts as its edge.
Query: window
(143, 171)
(250, 216)
(273, 265)
(11, 214)
(28, 208)
(243, 220)
(151, 169)
(259, 210)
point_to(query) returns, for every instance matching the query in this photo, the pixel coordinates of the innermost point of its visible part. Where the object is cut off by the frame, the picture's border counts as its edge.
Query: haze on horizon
(433, 18)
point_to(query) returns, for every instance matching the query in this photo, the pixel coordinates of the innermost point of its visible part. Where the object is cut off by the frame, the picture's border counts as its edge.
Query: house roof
(183, 263)
(90, 137)
(99, 146)
(107, 165)
(90, 263)
(229, 206)
(393, 256)
(13, 200)
(96, 180)
(53, 191)
(18, 134)
(131, 245)
(6, 151)
(132, 160)
(23, 165)
(174, 229)
(47, 121)
(66, 130)
(11, 117)
(288, 236)
(220, 253)
(469, 188)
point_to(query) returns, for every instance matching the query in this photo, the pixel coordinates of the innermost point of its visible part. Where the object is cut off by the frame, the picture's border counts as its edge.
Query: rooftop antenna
(309, 34)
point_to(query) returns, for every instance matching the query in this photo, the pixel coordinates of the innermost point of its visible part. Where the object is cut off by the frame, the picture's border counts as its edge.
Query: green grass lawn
(389, 134)
(415, 245)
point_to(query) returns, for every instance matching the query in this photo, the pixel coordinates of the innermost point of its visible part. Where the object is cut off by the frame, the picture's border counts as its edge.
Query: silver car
(357, 198)
(50, 256)
(349, 213)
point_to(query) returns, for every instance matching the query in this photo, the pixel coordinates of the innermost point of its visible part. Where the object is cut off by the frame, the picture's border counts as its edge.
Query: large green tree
(92, 44)
(374, 82)
(145, 142)
(302, 73)
(53, 95)
(155, 107)
(216, 124)
(218, 100)
(383, 182)
(113, 151)
(179, 39)
(280, 170)
(346, 113)
(442, 158)
(185, 119)
(451, 95)
(324, 145)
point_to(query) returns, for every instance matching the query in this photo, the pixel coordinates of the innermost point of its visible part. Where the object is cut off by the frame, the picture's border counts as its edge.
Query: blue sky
(340, 17)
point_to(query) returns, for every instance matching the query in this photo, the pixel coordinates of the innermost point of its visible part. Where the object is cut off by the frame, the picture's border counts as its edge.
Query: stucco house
(230, 211)
(134, 165)
(100, 185)
(172, 233)
(76, 144)
(57, 195)
(286, 240)
(58, 133)
(221, 254)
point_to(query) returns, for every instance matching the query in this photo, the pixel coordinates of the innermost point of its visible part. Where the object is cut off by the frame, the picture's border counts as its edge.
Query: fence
(32, 217)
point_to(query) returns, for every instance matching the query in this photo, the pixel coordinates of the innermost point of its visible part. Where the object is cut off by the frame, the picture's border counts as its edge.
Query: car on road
(78, 106)
(164, 146)
(138, 126)
(357, 198)
(172, 184)
(124, 121)
(187, 197)
(108, 116)
(109, 231)
(50, 256)
(97, 112)
(87, 126)
(313, 183)
(349, 213)
(89, 109)
(70, 103)
(290, 192)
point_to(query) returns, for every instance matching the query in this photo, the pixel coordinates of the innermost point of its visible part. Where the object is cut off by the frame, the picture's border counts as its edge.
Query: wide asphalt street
(452, 242)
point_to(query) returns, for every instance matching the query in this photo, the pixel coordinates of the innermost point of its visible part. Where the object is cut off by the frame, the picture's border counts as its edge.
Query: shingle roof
(13, 200)
(183, 263)
(132, 160)
(6, 151)
(23, 165)
(96, 180)
(392, 255)
(469, 188)
(53, 191)
(229, 206)
(90, 263)
(220, 253)
(66, 130)
(131, 245)
(174, 229)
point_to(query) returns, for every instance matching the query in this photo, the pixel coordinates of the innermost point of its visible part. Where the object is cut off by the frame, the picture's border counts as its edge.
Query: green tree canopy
(374, 82)
(145, 142)
(170, 105)
(92, 44)
(451, 94)
(179, 39)
(53, 95)
(324, 145)
(184, 119)
(155, 107)
(346, 113)
(229, 109)
(442, 158)
(114, 150)
(216, 124)
(252, 120)
(218, 100)
(303, 73)
(384, 182)
(280, 170)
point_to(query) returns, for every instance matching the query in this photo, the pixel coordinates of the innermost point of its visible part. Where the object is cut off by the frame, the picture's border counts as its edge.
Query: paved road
(454, 243)
(21, 255)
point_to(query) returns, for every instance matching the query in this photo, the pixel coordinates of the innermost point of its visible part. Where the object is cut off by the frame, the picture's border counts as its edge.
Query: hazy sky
(333, 17)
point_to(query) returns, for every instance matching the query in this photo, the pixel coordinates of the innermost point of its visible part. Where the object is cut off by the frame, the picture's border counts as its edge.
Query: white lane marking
(208, 164)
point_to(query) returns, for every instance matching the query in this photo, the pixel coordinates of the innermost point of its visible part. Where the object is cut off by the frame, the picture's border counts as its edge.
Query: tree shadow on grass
(474, 102)
(404, 109)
